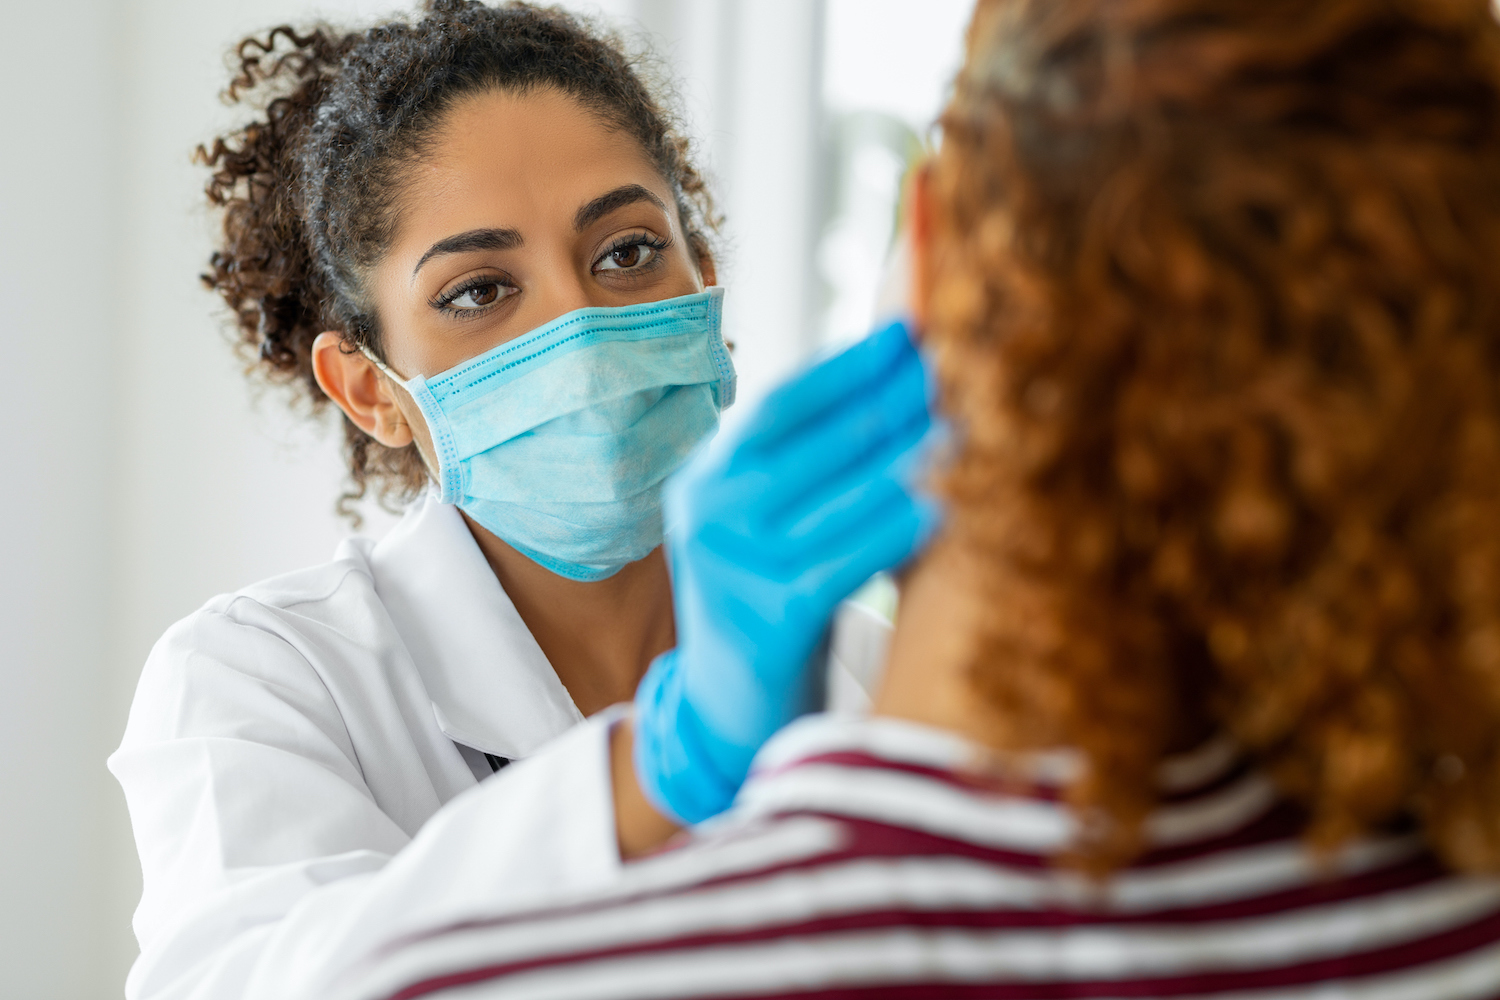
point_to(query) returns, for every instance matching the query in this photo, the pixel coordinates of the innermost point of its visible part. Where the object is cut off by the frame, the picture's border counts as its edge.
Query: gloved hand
(768, 530)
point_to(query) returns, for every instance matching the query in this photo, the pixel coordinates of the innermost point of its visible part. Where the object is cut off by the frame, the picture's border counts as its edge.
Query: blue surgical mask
(558, 441)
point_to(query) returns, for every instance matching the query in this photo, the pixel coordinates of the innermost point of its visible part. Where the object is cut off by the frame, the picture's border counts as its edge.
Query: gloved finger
(794, 554)
(771, 510)
(739, 475)
(855, 529)
(900, 390)
(761, 507)
(733, 559)
(826, 385)
(847, 442)
(901, 457)
(901, 530)
(819, 527)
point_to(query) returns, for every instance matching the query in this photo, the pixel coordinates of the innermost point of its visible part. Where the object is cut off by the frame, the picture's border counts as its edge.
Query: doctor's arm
(772, 527)
(271, 867)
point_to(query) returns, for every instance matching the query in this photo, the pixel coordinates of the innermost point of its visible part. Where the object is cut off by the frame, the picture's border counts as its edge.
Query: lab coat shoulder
(274, 745)
(212, 671)
(308, 663)
(266, 635)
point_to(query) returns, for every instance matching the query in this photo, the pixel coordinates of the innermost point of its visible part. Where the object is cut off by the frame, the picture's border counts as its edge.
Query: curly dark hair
(1216, 303)
(308, 188)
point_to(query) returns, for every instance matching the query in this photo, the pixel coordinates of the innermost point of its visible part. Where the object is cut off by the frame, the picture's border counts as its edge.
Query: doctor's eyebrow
(474, 239)
(601, 206)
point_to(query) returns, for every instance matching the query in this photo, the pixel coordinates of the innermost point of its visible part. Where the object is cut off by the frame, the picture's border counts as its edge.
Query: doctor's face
(526, 207)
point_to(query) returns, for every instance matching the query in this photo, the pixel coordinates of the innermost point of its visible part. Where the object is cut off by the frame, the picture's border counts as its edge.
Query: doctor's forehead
(522, 159)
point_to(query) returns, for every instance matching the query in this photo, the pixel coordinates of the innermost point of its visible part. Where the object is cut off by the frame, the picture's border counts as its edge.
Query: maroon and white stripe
(878, 859)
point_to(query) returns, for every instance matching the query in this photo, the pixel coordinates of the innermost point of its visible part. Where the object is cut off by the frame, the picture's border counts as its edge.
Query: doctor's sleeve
(269, 870)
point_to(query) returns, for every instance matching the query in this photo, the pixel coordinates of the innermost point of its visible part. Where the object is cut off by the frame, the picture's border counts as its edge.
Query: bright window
(887, 69)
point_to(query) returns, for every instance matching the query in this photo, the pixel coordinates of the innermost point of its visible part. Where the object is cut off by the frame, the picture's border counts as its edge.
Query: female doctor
(478, 235)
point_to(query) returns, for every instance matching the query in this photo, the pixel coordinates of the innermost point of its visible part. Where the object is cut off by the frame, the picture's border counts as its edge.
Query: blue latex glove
(768, 530)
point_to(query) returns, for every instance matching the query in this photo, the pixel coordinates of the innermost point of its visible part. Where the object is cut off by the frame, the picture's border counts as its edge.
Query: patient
(1198, 692)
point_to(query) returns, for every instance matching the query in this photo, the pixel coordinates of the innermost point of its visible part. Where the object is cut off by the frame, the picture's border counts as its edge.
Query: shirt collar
(894, 771)
(490, 683)
(890, 742)
(868, 741)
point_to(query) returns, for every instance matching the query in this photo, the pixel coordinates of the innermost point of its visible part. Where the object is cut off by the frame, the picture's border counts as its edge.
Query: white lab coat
(288, 742)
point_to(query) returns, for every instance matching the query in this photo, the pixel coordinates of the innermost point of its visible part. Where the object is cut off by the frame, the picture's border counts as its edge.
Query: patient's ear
(919, 236)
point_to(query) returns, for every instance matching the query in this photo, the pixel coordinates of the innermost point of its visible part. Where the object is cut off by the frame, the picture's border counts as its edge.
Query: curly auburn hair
(308, 188)
(1215, 300)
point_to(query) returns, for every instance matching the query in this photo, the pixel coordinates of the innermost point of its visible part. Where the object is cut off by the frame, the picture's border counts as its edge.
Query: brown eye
(627, 258)
(478, 296)
(483, 295)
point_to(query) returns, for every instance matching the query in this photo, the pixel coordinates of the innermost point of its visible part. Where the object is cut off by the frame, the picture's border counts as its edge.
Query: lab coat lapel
(490, 683)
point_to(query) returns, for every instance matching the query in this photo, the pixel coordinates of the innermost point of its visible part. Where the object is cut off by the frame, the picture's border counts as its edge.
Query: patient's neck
(926, 676)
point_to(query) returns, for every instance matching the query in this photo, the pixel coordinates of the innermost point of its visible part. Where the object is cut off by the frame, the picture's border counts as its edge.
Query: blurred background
(142, 474)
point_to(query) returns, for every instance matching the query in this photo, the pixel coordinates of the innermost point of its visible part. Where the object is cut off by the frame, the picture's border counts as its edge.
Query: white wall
(141, 477)
(215, 485)
(58, 228)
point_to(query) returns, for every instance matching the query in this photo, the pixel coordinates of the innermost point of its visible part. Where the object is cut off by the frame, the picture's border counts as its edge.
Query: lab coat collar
(490, 683)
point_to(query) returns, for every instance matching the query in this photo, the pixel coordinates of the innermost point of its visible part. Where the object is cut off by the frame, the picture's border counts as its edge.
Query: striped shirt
(873, 858)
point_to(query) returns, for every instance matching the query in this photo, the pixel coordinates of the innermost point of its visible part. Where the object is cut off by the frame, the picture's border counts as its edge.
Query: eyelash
(641, 239)
(444, 302)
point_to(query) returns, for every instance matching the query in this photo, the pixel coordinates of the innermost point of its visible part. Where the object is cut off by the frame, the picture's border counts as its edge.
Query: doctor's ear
(356, 386)
(707, 269)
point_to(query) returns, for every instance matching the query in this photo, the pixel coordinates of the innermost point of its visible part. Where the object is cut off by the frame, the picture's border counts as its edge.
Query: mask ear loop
(390, 373)
(384, 368)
